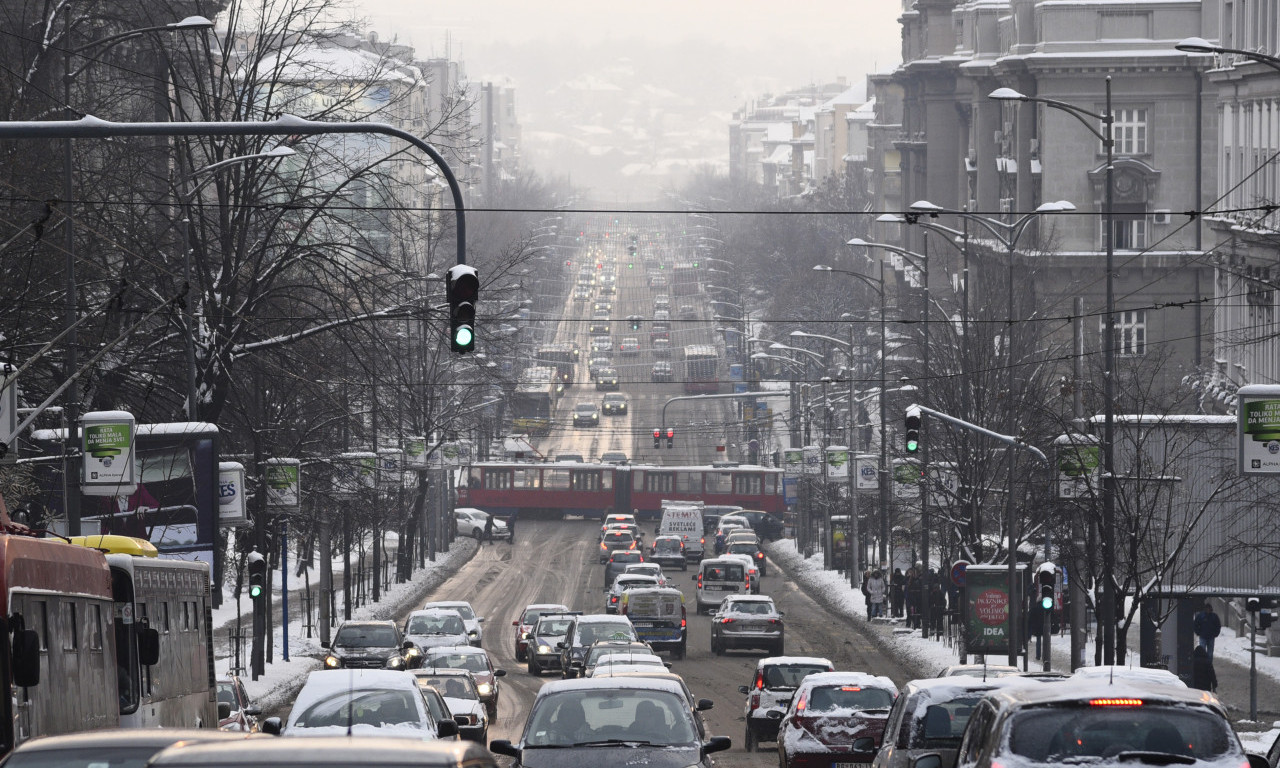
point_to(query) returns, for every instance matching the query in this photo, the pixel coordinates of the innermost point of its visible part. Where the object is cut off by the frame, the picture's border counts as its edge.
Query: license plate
(753, 627)
(643, 624)
(719, 588)
(851, 765)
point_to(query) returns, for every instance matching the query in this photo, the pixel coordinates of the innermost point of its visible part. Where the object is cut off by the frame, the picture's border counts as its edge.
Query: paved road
(555, 561)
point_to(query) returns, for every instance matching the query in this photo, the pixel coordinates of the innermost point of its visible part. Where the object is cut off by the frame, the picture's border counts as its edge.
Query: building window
(1130, 132)
(1130, 331)
(1130, 234)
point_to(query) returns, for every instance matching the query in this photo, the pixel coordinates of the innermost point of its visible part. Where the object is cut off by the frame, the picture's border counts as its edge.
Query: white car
(471, 522)
(363, 702)
(613, 596)
(469, 618)
(435, 628)
(458, 689)
(647, 569)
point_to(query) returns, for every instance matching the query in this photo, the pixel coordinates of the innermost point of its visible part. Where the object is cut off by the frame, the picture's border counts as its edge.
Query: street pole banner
(1258, 429)
(8, 414)
(284, 484)
(231, 506)
(108, 446)
(456, 453)
(354, 472)
(793, 461)
(990, 626)
(415, 452)
(837, 463)
(906, 479)
(390, 461)
(868, 473)
(813, 460)
(1079, 466)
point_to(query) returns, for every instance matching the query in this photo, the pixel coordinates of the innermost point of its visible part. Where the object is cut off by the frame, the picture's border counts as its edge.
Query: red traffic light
(657, 433)
(670, 433)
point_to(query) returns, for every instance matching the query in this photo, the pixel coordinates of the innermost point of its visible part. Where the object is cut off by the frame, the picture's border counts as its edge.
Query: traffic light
(657, 438)
(635, 323)
(671, 437)
(1046, 590)
(913, 429)
(462, 288)
(257, 577)
(1252, 605)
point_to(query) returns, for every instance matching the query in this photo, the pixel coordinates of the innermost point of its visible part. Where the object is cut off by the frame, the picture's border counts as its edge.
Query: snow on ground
(282, 679)
(929, 656)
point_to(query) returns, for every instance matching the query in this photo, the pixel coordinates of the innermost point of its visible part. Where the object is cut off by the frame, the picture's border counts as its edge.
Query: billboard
(992, 619)
(1258, 429)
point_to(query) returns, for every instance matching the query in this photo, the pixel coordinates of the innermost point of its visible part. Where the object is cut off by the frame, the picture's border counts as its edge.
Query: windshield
(365, 637)
(724, 572)
(1085, 734)
(666, 545)
(436, 625)
(940, 726)
(226, 693)
(553, 627)
(453, 686)
(789, 675)
(472, 662)
(375, 708)
(581, 718)
(829, 698)
(742, 549)
(753, 608)
(462, 610)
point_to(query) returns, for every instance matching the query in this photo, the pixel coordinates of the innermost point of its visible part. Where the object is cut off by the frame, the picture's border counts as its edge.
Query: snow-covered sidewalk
(833, 590)
(282, 679)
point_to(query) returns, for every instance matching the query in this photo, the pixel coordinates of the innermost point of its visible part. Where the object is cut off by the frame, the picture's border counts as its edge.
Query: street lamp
(71, 501)
(186, 199)
(1106, 612)
(1200, 45)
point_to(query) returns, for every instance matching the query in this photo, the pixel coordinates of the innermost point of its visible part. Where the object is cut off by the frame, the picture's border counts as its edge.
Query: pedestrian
(488, 529)
(1207, 627)
(911, 597)
(511, 529)
(720, 537)
(896, 583)
(876, 592)
(1035, 624)
(937, 602)
(1202, 674)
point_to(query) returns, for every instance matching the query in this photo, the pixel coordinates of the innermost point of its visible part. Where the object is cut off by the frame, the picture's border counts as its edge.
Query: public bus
(684, 280)
(99, 632)
(562, 357)
(534, 400)
(559, 489)
(701, 364)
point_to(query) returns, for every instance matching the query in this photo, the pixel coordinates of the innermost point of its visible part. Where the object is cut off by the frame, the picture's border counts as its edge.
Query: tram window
(42, 617)
(497, 479)
(771, 485)
(473, 477)
(585, 481)
(606, 480)
(164, 617)
(688, 482)
(719, 482)
(95, 627)
(70, 629)
(660, 482)
(186, 616)
(747, 485)
(527, 479)
(556, 479)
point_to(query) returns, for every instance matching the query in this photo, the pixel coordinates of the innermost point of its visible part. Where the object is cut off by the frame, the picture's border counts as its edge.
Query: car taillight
(759, 680)
(1115, 702)
(755, 701)
(683, 623)
(802, 703)
(726, 620)
(759, 555)
(613, 599)
(850, 688)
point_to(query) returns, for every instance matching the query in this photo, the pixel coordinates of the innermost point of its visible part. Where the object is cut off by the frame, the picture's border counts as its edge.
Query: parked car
(477, 662)
(929, 717)
(470, 522)
(748, 621)
(835, 718)
(475, 629)
(359, 702)
(614, 404)
(545, 640)
(775, 681)
(586, 414)
(241, 714)
(460, 693)
(606, 379)
(585, 630)
(662, 372)
(525, 624)
(435, 628)
(611, 721)
(366, 645)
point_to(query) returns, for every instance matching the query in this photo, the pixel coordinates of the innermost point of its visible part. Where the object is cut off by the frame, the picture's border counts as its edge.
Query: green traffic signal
(463, 337)
(255, 591)
(913, 446)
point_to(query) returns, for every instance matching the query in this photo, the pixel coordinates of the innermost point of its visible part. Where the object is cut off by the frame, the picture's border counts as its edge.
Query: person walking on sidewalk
(876, 592)
(1202, 674)
(896, 582)
(488, 529)
(1207, 627)
(912, 598)
(511, 529)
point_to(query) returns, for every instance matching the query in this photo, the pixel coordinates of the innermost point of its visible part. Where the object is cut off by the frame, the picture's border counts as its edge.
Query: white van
(719, 577)
(685, 522)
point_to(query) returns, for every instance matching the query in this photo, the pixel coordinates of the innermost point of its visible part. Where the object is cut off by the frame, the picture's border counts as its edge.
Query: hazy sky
(708, 55)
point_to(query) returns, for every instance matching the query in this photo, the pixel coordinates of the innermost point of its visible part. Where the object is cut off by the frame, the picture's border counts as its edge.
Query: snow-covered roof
(808, 660)
(314, 64)
(781, 155)
(327, 683)
(850, 678)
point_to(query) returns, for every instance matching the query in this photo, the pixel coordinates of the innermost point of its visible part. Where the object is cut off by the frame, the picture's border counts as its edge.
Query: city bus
(562, 357)
(684, 280)
(534, 400)
(700, 369)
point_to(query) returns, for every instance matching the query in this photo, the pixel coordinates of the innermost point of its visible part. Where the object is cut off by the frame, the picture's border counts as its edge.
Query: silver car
(747, 621)
(435, 628)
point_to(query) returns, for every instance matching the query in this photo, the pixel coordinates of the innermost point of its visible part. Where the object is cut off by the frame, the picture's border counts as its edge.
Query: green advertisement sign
(106, 442)
(1258, 424)
(990, 627)
(108, 446)
(283, 478)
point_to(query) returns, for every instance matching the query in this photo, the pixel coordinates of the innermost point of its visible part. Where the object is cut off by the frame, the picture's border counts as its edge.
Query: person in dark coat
(1202, 674)
(1207, 627)
(488, 529)
(896, 598)
(911, 597)
(937, 603)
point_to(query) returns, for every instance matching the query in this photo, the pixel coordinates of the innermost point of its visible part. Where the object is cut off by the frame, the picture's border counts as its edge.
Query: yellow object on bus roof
(118, 545)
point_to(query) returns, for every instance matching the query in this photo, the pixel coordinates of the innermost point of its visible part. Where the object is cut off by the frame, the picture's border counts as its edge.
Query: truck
(684, 519)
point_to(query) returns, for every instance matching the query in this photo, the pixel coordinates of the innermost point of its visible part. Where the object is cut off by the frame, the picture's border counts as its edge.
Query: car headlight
(524, 635)
(395, 662)
(485, 689)
(332, 662)
(544, 649)
(473, 632)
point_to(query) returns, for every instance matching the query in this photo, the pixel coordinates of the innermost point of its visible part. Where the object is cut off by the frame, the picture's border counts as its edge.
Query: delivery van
(684, 521)
(719, 577)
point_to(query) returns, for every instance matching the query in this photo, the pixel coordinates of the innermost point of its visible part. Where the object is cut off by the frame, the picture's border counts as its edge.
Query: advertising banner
(390, 468)
(813, 460)
(1078, 461)
(793, 461)
(415, 452)
(284, 484)
(991, 627)
(353, 473)
(455, 453)
(868, 472)
(837, 463)
(107, 443)
(790, 491)
(1258, 429)
(231, 506)
(906, 479)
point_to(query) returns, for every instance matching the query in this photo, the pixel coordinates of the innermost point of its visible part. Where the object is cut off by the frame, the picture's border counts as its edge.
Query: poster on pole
(1078, 462)
(868, 472)
(284, 484)
(813, 460)
(793, 461)
(232, 511)
(390, 468)
(353, 473)
(1258, 429)
(837, 463)
(107, 443)
(906, 479)
(992, 622)
(415, 452)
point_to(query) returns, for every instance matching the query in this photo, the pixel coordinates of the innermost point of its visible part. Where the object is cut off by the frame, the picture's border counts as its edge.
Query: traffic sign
(957, 572)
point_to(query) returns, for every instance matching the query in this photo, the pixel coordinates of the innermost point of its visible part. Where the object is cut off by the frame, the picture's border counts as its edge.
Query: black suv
(366, 645)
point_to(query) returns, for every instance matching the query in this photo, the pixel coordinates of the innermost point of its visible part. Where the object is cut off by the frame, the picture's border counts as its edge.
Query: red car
(528, 618)
(835, 718)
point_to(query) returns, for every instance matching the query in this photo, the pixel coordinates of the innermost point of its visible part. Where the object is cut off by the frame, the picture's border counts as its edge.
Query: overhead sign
(1258, 429)
(813, 460)
(456, 453)
(415, 452)
(107, 443)
(793, 460)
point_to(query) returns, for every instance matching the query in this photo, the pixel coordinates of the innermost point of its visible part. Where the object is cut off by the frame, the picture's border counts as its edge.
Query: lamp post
(187, 198)
(1200, 45)
(71, 497)
(1106, 612)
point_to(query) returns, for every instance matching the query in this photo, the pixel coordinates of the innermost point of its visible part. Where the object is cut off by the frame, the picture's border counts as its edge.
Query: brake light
(759, 555)
(702, 540)
(802, 703)
(726, 620)
(683, 623)
(760, 680)
(1115, 702)
(850, 688)
(755, 701)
